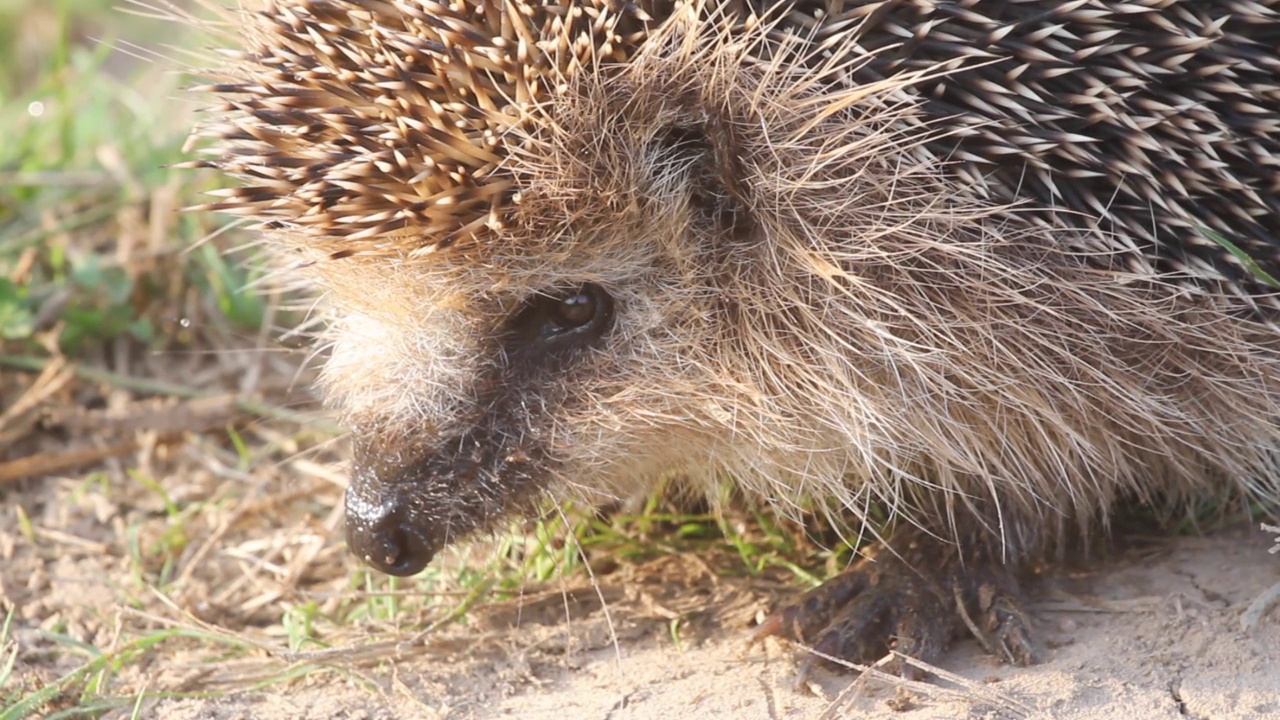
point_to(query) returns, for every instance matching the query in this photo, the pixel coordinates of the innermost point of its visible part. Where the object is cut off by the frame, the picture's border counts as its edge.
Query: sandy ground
(1154, 634)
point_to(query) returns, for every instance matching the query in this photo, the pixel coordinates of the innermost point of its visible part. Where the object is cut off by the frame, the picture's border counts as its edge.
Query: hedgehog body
(994, 266)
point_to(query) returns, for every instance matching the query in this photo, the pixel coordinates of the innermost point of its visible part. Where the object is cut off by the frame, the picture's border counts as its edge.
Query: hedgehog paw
(892, 602)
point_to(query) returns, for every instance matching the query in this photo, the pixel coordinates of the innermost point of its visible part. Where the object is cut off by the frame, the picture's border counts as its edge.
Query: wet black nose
(381, 537)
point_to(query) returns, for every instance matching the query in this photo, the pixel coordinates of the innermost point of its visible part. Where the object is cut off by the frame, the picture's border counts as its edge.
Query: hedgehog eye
(564, 319)
(585, 309)
(575, 309)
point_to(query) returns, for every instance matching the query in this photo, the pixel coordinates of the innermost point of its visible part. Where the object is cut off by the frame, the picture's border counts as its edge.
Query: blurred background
(93, 247)
(165, 495)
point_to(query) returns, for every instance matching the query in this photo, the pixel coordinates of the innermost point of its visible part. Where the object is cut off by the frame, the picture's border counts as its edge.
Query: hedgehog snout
(381, 530)
(405, 502)
(409, 499)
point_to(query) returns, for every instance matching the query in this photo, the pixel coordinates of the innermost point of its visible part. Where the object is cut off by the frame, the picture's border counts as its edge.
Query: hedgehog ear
(715, 190)
(685, 141)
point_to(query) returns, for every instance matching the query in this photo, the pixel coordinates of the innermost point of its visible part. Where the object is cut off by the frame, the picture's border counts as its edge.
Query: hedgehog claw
(893, 603)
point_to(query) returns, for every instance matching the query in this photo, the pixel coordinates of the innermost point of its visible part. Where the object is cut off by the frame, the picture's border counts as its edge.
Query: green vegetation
(92, 246)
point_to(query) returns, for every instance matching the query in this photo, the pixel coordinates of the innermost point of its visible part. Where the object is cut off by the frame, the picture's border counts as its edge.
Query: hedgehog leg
(915, 602)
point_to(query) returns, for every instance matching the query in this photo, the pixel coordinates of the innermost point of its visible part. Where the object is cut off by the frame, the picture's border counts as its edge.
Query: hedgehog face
(480, 457)
(550, 370)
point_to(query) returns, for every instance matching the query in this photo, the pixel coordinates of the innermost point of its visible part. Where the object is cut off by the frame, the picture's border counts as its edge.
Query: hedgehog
(990, 269)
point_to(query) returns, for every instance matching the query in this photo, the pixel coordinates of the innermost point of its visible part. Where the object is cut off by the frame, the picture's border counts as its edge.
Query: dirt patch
(1156, 636)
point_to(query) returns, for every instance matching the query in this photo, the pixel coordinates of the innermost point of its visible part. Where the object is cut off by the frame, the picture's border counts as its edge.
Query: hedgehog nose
(379, 535)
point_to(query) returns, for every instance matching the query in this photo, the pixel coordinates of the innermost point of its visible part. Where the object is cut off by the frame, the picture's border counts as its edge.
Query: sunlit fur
(811, 302)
